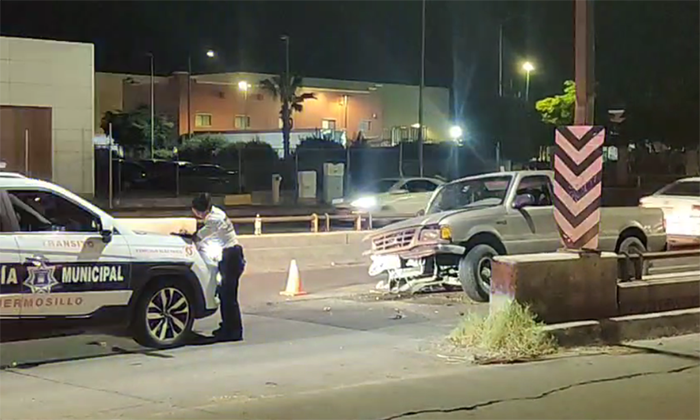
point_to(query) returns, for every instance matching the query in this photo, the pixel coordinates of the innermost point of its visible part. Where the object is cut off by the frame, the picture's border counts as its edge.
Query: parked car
(208, 178)
(129, 175)
(471, 220)
(190, 177)
(390, 196)
(680, 203)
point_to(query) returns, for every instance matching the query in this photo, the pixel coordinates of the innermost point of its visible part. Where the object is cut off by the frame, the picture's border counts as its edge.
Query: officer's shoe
(225, 336)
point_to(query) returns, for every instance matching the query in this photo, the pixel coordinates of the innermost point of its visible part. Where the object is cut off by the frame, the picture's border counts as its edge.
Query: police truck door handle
(501, 222)
(36, 259)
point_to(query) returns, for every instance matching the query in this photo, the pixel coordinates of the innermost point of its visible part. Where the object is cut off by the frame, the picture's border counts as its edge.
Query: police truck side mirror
(106, 230)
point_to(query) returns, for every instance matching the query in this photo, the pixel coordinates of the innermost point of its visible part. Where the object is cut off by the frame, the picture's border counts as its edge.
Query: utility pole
(285, 38)
(420, 91)
(153, 112)
(500, 59)
(584, 44)
(189, 96)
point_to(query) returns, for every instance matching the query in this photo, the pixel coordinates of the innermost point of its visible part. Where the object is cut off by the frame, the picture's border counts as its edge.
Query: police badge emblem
(40, 278)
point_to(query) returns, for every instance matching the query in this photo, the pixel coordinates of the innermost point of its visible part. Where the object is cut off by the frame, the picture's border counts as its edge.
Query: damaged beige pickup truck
(469, 221)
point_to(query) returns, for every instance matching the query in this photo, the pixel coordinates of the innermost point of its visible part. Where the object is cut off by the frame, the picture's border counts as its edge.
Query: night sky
(640, 46)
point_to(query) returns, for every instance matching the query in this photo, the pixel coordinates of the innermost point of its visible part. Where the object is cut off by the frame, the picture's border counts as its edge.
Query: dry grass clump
(511, 334)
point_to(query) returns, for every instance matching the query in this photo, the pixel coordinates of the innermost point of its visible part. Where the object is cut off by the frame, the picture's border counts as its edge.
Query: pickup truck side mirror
(523, 200)
(421, 212)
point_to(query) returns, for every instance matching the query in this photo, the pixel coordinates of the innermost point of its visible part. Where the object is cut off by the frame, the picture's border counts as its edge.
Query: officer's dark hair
(202, 202)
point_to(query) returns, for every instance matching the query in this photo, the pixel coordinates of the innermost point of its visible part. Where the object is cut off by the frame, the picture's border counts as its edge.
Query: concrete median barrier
(273, 252)
(580, 296)
(559, 286)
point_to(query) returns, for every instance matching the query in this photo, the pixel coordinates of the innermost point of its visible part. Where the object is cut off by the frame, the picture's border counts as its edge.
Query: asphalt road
(256, 291)
(338, 358)
(340, 352)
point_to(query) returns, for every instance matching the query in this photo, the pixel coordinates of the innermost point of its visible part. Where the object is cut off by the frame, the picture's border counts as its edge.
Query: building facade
(231, 103)
(47, 110)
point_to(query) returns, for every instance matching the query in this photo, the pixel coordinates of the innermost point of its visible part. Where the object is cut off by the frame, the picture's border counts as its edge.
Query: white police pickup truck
(62, 257)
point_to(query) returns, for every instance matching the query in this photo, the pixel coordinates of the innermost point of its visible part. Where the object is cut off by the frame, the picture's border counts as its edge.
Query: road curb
(626, 328)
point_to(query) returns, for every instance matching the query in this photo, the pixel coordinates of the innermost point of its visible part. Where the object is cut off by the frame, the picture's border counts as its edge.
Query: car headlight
(364, 202)
(435, 233)
(212, 252)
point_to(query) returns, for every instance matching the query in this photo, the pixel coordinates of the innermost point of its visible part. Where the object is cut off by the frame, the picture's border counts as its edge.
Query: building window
(328, 124)
(242, 122)
(365, 126)
(202, 120)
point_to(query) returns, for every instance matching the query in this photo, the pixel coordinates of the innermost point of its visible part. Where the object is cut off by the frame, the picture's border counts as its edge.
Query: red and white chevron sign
(578, 179)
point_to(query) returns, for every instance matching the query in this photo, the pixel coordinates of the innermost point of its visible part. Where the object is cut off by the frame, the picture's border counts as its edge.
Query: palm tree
(285, 89)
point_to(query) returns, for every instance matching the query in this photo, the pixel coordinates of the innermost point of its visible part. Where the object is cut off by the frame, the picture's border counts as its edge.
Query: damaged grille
(394, 240)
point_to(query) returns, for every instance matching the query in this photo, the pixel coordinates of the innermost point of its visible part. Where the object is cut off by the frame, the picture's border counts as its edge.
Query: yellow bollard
(314, 223)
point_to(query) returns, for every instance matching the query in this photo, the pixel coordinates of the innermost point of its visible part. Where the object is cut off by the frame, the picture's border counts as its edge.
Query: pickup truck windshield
(486, 192)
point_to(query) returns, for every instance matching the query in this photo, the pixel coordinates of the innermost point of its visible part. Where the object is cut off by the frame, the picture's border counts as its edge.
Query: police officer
(217, 228)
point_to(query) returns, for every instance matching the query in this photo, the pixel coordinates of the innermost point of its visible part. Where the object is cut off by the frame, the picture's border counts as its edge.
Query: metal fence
(250, 169)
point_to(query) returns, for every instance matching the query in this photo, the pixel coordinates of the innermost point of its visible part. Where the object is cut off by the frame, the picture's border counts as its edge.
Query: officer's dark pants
(231, 268)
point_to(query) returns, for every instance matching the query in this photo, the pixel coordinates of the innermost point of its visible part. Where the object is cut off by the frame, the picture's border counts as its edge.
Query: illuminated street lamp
(528, 67)
(210, 54)
(456, 132)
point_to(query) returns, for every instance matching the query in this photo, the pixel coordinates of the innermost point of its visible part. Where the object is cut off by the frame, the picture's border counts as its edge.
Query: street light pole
(189, 96)
(420, 91)
(500, 59)
(285, 38)
(528, 67)
(527, 86)
(153, 112)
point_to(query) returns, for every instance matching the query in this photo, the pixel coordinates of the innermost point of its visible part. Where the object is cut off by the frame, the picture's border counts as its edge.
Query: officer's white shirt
(217, 230)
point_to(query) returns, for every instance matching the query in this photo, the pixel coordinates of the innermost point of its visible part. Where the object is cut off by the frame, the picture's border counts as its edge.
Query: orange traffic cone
(293, 281)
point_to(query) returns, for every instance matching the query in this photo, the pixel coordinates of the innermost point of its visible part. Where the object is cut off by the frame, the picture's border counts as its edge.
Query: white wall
(59, 75)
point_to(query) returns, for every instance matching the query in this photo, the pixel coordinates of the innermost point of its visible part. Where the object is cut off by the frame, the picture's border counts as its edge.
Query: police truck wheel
(163, 315)
(475, 272)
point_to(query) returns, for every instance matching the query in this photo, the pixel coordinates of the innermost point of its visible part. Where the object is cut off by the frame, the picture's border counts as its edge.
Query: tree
(559, 109)
(202, 148)
(285, 89)
(132, 129)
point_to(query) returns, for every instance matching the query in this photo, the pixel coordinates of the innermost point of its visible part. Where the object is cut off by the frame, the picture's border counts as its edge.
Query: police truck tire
(163, 315)
(472, 269)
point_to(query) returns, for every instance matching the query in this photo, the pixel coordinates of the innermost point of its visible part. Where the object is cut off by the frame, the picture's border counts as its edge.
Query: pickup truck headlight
(435, 233)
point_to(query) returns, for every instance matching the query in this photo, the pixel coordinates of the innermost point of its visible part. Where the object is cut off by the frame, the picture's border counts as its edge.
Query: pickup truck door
(68, 269)
(532, 228)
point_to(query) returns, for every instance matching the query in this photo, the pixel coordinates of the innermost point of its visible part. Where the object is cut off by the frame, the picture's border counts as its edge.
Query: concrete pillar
(557, 286)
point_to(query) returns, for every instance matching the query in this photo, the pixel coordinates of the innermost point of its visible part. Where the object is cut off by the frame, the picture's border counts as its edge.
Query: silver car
(390, 196)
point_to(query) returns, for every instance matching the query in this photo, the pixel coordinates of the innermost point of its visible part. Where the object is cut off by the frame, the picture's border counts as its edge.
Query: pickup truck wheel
(475, 272)
(163, 315)
(633, 245)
